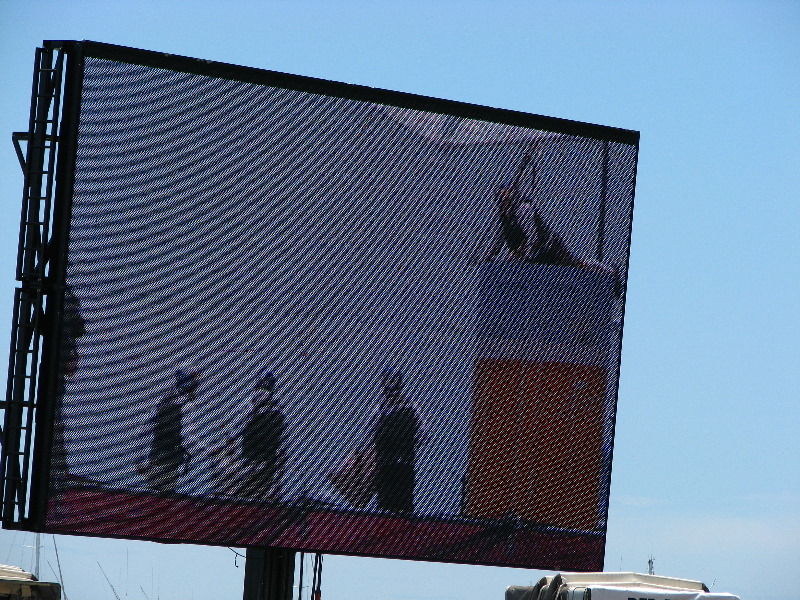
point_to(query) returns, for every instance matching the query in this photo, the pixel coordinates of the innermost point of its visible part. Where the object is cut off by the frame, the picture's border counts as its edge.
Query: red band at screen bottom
(131, 515)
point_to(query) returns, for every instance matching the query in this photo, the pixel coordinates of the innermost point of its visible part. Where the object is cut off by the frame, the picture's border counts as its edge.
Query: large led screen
(315, 316)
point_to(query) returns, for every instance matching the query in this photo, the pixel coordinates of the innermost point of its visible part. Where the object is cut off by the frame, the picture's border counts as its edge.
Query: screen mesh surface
(328, 324)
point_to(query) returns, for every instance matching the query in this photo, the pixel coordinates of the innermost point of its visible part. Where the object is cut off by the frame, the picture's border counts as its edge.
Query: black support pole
(268, 574)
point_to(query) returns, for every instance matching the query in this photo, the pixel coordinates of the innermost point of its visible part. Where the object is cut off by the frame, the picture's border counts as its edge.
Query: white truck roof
(614, 586)
(11, 572)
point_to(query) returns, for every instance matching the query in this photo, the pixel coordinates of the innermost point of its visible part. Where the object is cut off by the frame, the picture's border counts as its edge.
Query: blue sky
(707, 461)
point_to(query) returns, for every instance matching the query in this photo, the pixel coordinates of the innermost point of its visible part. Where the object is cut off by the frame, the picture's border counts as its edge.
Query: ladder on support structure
(38, 165)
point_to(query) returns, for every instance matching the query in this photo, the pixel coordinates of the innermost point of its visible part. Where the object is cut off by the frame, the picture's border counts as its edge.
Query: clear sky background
(707, 458)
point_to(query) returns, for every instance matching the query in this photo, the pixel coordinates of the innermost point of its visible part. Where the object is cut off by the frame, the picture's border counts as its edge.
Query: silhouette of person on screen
(262, 440)
(395, 439)
(167, 452)
(73, 327)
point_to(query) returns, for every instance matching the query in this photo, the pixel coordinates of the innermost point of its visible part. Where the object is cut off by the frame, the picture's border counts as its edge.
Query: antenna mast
(38, 555)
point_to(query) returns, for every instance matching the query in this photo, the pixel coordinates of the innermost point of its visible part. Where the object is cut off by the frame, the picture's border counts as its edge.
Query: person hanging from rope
(511, 232)
(521, 229)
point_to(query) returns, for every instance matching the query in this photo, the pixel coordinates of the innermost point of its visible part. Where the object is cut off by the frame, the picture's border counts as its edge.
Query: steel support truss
(22, 402)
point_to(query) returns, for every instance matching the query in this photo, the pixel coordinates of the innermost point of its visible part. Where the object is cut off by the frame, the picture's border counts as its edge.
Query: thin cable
(108, 580)
(11, 547)
(60, 576)
(316, 586)
(314, 576)
(319, 579)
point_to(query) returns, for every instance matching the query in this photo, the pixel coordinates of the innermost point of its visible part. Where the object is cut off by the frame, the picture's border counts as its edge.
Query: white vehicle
(16, 584)
(614, 586)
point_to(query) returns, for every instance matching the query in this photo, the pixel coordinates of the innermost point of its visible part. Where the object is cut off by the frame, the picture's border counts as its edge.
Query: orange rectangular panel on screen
(536, 445)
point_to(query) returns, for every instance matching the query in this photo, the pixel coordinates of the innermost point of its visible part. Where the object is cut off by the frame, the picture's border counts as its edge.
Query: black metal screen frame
(314, 85)
(38, 311)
